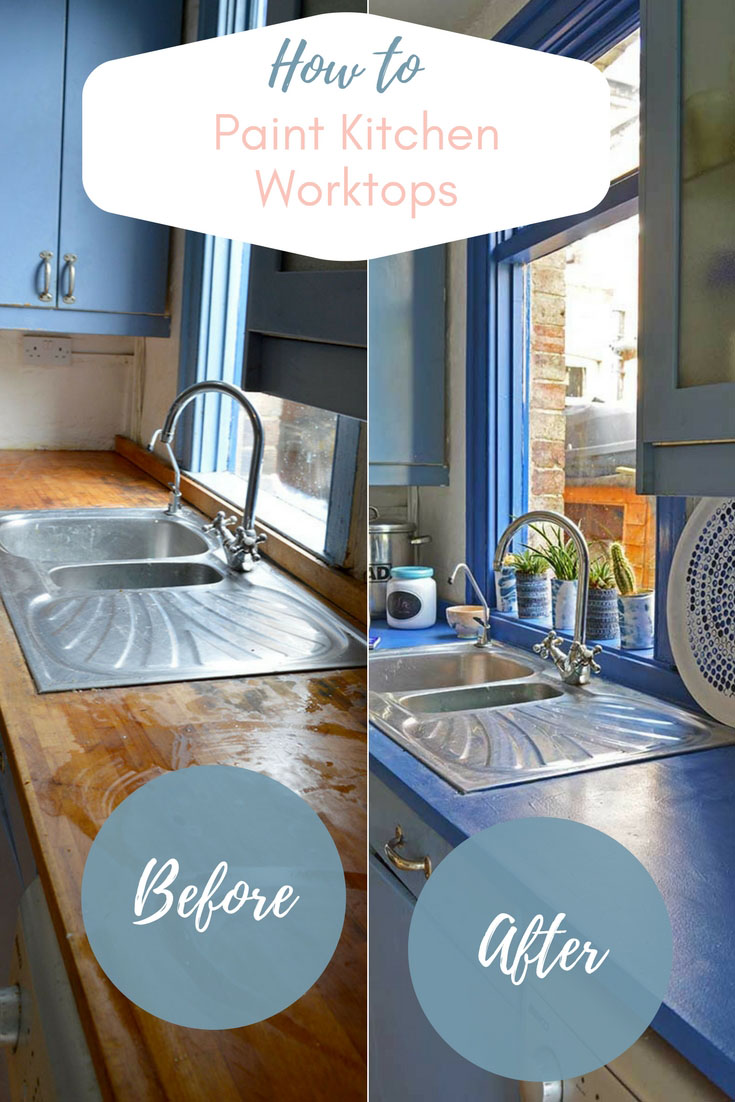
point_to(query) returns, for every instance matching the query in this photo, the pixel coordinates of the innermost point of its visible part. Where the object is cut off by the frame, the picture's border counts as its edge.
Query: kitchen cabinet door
(10, 894)
(306, 331)
(408, 1059)
(121, 264)
(407, 357)
(687, 342)
(31, 80)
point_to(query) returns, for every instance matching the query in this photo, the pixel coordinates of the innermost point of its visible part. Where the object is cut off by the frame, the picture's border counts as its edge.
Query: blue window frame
(213, 331)
(498, 417)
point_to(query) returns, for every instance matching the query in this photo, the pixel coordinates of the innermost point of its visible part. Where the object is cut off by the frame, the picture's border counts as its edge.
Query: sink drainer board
(489, 729)
(104, 597)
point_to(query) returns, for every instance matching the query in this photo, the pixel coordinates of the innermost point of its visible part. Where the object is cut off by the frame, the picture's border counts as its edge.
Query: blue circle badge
(540, 949)
(213, 897)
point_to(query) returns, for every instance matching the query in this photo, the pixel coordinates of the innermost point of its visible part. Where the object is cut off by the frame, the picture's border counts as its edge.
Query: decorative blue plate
(701, 607)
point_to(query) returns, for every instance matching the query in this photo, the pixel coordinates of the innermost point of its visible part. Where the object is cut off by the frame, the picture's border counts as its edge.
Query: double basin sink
(102, 597)
(486, 717)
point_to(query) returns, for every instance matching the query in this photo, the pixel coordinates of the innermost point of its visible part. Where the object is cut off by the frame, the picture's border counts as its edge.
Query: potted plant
(602, 608)
(636, 608)
(505, 587)
(532, 586)
(561, 555)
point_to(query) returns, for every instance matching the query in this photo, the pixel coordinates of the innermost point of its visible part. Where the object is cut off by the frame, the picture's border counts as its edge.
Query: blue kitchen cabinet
(686, 424)
(407, 375)
(408, 1059)
(103, 273)
(32, 81)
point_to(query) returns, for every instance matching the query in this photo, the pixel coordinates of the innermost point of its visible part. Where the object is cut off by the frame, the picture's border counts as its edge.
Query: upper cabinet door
(687, 354)
(31, 79)
(121, 264)
(407, 356)
(306, 331)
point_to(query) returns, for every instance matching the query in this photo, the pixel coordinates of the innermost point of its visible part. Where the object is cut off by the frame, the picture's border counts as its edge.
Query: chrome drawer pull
(71, 260)
(402, 863)
(10, 1006)
(45, 295)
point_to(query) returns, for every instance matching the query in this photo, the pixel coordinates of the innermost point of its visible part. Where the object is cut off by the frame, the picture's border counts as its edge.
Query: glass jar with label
(411, 597)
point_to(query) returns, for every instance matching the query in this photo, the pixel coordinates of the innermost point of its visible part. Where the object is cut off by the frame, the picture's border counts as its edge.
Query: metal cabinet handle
(402, 863)
(45, 295)
(71, 259)
(10, 1007)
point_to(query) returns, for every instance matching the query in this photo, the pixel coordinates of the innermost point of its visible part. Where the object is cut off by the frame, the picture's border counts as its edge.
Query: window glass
(621, 66)
(297, 467)
(583, 369)
(707, 233)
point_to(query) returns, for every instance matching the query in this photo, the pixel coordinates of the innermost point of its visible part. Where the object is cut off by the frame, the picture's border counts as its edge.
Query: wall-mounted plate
(701, 607)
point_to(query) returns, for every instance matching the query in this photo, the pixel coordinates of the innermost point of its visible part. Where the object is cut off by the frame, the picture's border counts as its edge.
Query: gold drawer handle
(402, 863)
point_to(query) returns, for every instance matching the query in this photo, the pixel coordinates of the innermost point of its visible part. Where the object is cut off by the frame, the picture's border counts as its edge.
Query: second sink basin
(478, 697)
(133, 575)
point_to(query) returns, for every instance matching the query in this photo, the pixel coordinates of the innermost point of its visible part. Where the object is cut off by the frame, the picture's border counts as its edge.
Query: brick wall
(548, 382)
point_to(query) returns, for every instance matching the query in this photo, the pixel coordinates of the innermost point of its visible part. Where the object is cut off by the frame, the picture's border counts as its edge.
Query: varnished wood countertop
(75, 756)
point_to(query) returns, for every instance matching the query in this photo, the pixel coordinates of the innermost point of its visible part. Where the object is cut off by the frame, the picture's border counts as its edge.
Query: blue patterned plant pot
(534, 596)
(602, 615)
(637, 620)
(505, 590)
(564, 603)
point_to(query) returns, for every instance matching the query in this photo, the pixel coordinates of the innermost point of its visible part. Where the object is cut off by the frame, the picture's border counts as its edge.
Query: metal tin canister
(392, 543)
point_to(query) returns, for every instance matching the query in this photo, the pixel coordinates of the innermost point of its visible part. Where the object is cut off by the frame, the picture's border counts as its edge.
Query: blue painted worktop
(677, 815)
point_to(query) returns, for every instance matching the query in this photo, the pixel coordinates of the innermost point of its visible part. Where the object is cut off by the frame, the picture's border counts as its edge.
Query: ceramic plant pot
(602, 615)
(534, 596)
(637, 619)
(505, 590)
(564, 604)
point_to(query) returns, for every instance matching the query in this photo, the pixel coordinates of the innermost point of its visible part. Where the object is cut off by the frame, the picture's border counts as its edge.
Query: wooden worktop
(76, 755)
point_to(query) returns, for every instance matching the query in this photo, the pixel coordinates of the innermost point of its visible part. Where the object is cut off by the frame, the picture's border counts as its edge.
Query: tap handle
(582, 656)
(543, 649)
(220, 521)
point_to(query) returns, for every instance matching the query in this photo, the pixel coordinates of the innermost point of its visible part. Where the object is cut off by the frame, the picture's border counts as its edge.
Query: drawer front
(419, 841)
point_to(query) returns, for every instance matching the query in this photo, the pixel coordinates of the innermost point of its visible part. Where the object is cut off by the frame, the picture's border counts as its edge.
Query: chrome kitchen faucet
(482, 635)
(577, 666)
(240, 546)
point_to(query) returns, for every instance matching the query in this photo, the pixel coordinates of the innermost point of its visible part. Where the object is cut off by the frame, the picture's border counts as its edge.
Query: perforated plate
(701, 607)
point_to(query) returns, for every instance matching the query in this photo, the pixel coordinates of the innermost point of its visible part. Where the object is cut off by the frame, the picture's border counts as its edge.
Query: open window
(553, 355)
(291, 331)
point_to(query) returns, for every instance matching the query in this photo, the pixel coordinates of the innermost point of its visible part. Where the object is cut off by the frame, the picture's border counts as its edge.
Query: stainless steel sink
(102, 597)
(528, 726)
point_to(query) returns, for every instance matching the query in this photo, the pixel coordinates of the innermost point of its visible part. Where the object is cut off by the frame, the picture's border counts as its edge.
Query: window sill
(635, 669)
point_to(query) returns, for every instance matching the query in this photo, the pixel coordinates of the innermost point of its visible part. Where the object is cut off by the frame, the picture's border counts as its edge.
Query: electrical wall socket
(48, 351)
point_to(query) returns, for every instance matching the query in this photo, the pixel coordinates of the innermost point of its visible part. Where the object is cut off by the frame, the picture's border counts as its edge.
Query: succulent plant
(623, 571)
(601, 575)
(558, 552)
(528, 562)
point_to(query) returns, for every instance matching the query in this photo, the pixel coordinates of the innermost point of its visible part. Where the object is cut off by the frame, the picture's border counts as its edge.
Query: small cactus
(623, 571)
